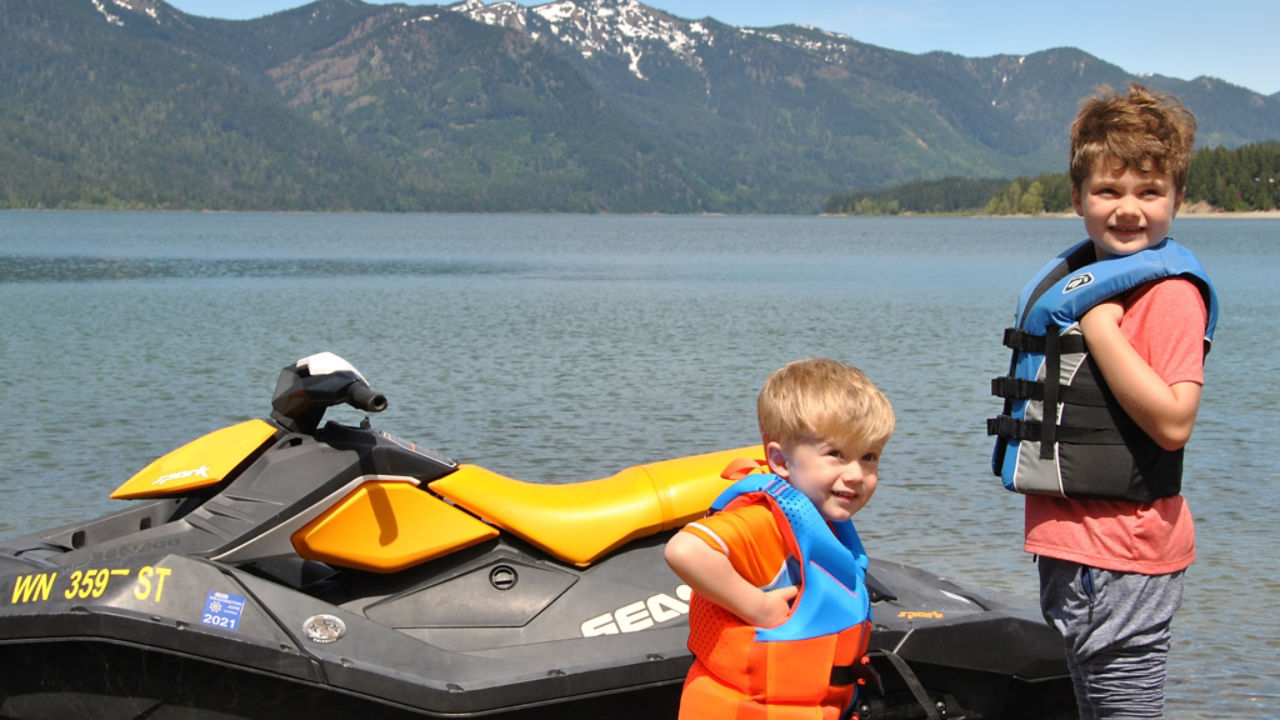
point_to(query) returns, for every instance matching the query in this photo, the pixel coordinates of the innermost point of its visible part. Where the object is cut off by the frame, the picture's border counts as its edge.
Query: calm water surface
(563, 348)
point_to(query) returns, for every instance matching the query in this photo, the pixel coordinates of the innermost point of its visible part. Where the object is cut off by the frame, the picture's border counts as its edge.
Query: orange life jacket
(804, 668)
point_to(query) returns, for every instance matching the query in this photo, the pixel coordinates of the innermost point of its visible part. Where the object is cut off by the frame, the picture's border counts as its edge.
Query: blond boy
(777, 569)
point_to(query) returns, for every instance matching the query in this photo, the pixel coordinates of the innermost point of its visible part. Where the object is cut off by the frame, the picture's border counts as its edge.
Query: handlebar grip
(363, 397)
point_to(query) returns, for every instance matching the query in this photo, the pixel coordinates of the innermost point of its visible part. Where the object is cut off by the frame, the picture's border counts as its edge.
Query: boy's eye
(835, 453)
(870, 457)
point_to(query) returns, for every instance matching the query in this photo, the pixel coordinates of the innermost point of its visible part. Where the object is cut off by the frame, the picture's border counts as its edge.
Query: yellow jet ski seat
(580, 522)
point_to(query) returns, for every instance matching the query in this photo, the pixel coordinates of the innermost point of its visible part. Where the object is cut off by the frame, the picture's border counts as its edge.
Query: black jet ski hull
(286, 568)
(206, 637)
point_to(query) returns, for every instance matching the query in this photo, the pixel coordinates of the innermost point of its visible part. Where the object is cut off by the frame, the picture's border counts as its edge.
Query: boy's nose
(852, 472)
(1127, 207)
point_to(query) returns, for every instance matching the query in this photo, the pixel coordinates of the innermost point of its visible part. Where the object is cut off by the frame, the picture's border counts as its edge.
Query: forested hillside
(1235, 180)
(572, 106)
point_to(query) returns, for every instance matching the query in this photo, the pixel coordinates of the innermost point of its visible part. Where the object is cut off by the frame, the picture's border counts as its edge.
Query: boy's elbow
(1172, 428)
(671, 553)
(1172, 434)
(1173, 439)
(677, 552)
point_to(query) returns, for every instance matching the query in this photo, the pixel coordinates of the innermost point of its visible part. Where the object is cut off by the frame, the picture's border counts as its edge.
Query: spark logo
(202, 471)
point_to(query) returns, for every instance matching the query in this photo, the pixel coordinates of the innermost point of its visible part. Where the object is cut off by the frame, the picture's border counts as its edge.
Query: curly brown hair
(1144, 131)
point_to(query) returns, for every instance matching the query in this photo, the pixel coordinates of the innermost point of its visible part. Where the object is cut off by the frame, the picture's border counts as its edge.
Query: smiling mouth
(1128, 229)
(845, 495)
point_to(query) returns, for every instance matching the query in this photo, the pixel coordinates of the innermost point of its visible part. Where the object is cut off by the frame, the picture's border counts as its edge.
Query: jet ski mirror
(315, 383)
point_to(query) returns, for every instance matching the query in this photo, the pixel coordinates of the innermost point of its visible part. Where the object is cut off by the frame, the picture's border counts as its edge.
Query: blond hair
(1143, 131)
(822, 399)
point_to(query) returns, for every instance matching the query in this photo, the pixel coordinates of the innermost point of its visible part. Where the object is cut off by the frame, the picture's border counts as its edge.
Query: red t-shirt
(1164, 322)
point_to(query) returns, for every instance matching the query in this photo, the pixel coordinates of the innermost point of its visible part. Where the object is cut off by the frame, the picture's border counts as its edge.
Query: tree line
(1237, 180)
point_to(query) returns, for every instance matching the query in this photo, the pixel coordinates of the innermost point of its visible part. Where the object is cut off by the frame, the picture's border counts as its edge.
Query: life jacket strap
(1019, 389)
(855, 674)
(1052, 373)
(1026, 342)
(927, 704)
(1015, 429)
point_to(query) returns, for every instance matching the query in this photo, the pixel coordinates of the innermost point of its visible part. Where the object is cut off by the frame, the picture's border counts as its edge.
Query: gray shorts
(1116, 629)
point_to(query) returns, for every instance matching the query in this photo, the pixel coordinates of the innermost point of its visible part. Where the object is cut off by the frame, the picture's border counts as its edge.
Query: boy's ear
(1177, 201)
(1075, 200)
(777, 459)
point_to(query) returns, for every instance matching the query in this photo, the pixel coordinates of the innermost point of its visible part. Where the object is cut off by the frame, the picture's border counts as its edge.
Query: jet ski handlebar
(363, 397)
(315, 383)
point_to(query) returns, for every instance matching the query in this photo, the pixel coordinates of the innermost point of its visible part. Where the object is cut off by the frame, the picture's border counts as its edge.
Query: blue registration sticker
(222, 610)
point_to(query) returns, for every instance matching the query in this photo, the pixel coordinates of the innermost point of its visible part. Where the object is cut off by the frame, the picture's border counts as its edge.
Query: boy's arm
(1165, 412)
(712, 576)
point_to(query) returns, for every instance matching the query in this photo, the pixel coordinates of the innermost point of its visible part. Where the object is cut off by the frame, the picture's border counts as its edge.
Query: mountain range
(569, 106)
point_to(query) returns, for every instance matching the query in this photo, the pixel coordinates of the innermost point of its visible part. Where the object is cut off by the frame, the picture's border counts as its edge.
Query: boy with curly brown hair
(1102, 395)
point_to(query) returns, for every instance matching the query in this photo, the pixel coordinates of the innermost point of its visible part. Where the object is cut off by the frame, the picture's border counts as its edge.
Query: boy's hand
(775, 607)
(1165, 412)
(711, 575)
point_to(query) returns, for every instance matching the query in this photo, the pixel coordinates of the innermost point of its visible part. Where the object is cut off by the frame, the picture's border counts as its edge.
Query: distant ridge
(570, 106)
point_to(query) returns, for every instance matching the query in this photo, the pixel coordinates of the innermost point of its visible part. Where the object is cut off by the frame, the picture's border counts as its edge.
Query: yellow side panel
(202, 462)
(387, 526)
(580, 522)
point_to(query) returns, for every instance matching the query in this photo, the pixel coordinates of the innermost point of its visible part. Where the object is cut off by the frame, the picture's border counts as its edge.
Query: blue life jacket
(1062, 432)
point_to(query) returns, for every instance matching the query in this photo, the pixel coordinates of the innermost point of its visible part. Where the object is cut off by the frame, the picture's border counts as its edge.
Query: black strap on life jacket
(1023, 341)
(859, 672)
(1010, 387)
(1008, 427)
(918, 691)
(1052, 344)
(1052, 371)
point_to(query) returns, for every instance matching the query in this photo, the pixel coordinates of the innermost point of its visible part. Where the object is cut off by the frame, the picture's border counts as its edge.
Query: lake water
(563, 348)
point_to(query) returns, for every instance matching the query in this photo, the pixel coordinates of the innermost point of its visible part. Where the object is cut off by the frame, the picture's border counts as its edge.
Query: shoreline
(1191, 211)
(1225, 215)
(1187, 213)
(1202, 209)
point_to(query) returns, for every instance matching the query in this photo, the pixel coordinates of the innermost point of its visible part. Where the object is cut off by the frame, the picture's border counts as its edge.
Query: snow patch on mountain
(621, 28)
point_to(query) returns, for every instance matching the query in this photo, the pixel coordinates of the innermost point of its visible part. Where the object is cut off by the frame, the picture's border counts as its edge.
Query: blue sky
(1235, 40)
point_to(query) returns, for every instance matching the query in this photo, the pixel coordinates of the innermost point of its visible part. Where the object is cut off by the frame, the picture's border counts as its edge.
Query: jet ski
(291, 566)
